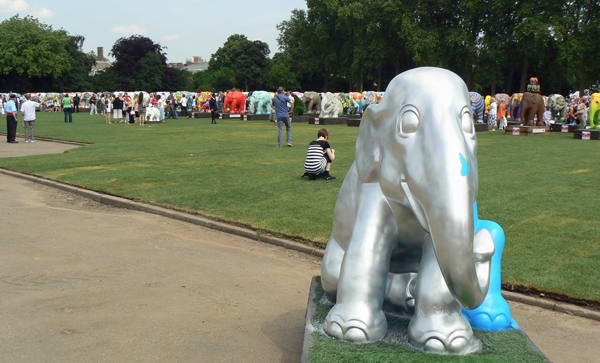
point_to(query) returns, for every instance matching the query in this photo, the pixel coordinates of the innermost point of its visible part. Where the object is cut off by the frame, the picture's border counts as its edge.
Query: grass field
(542, 190)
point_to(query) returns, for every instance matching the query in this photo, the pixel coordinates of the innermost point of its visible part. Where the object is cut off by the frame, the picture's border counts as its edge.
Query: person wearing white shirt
(28, 111)
(183, 103)
(492, 115)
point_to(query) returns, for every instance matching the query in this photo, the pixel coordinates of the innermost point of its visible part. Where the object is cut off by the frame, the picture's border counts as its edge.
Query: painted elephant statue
(404, 233)
(330, 106)
(504, 98)
(595, 111)
(515, 106)
(488, 101)
(368, 98)
(558, 107)
(532, 105)
(347, 103)
(312, 100)
(235, 102)
(261, 102)
(478, 105)
(152, 114)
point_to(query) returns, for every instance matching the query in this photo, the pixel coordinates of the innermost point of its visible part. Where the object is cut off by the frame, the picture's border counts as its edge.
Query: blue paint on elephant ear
(465, 167)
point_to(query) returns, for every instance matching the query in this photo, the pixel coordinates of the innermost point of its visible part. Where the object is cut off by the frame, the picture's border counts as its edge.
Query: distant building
(101, 63)
(194, 64)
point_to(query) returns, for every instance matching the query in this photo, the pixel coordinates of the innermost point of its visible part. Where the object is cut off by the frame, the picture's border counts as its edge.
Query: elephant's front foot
(441, 330)
(356, 324)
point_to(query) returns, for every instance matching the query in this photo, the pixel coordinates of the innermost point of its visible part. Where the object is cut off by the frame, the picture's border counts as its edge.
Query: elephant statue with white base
(330, 106)
(405, 231)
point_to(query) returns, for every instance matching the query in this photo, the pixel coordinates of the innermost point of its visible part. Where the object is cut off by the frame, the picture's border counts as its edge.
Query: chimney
(100, 53)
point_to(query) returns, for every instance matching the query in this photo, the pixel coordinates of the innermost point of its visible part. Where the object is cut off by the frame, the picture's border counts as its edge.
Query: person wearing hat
(11, 119)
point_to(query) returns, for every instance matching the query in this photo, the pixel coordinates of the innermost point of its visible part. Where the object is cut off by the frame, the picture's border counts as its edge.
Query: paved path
(82, 281)
(35, 148)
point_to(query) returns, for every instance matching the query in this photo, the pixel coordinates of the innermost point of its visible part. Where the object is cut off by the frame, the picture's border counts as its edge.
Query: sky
(186, 28)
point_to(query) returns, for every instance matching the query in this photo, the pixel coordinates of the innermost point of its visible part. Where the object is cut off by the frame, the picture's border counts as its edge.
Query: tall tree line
(494, 45)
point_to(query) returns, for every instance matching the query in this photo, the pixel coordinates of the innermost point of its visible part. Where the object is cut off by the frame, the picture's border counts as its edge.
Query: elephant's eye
(408, 122)
(467, 121)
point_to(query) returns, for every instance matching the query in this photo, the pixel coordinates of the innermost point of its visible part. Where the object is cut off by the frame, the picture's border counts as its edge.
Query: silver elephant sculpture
(331, 106)
(403, 232)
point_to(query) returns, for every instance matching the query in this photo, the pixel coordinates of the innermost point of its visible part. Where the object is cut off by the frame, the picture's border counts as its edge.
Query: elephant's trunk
(444, 194)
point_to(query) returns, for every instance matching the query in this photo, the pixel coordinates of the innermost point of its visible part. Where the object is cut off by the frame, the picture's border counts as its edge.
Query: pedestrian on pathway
(67, 102)
(28, 111)
(11, 119)
(283, 116)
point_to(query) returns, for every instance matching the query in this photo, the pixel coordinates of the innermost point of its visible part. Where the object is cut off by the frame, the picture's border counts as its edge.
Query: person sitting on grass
(319, 157)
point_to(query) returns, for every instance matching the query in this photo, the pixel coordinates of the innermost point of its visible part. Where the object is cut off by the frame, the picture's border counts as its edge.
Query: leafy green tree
(31, 53)
(78, 77)
(282, 75)
(129, 52)
(151, 74)
(107, 81)
(248, 59)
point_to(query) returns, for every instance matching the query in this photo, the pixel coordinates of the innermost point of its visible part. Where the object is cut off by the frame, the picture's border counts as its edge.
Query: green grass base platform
(496, 346)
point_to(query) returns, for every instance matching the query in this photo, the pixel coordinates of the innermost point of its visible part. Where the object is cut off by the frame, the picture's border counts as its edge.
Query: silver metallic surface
(403, 230)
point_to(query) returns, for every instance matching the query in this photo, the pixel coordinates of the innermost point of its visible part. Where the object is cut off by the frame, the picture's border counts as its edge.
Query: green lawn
(541, 190)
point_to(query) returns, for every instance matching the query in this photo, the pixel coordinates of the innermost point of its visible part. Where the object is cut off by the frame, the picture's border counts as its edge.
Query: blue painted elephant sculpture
(478, 105)
(260, 102)
(406, 233)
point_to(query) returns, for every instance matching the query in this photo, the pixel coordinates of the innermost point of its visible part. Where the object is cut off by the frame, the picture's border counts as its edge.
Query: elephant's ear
(368, 147)
(534, 99)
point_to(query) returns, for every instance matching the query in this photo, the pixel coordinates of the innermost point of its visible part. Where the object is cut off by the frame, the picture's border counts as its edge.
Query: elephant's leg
(399, 293)
(438, 324)
(331, 267)
(358, 314)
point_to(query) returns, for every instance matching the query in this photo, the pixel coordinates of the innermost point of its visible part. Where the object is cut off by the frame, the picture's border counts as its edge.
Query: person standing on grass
(283, 116)
(11, 119)
(319, 157)
(183, 103)
(107, 107)
(141, 109)
(161, 107)
(492, 113)
(67, 102)
(76, 100)
(118, 109)
(212, 104)
(28, 111)
(93, 107)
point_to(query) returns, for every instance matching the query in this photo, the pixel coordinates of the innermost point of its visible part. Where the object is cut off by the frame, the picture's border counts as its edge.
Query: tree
(78, 77)
(29, 49)
(129, 52)
(248, 59)
(282, 75)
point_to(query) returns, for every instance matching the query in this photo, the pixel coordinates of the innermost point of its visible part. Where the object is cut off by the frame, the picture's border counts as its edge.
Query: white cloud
(43, 13)
(128, 29)
(13, 5)
(170, 37)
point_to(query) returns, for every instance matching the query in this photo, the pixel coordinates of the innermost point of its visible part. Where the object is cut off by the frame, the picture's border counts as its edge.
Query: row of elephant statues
(524, 107)
(325, 104)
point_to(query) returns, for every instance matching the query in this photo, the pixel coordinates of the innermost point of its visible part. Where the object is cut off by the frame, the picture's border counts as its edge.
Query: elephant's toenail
(434, 346)
(458, 344)
(356, 335)
(335, 330)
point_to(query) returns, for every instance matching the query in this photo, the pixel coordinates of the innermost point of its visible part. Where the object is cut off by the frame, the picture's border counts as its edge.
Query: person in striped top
(319, 157)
